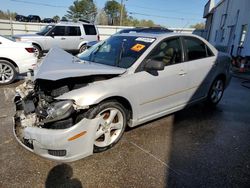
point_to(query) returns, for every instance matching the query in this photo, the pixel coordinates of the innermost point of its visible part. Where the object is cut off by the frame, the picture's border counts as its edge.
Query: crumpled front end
(53, 129)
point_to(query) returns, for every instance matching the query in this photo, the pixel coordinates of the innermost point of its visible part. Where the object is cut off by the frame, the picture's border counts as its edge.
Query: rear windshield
(119, 51)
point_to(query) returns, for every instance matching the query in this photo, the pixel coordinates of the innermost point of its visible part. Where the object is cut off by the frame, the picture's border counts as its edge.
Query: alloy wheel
(110, 128)
(217, 91)
(6, 73)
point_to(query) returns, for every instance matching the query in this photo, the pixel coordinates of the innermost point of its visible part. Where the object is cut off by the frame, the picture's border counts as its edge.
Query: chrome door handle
(63, 38)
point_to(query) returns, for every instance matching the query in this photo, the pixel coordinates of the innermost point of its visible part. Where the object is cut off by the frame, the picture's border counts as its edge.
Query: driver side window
(168, 51)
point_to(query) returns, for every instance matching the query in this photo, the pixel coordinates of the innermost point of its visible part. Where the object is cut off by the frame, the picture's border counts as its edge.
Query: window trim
(185, 48)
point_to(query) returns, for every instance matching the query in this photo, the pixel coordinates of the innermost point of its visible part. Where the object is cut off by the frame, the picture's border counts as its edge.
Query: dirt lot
(196, 147)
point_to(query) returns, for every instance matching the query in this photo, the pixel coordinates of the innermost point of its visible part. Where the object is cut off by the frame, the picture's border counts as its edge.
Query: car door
(162, 91)
(200, 63)
(57, 37)
(73, 37)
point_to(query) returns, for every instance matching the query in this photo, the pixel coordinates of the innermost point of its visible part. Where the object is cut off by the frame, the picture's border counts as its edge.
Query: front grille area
(59, 153)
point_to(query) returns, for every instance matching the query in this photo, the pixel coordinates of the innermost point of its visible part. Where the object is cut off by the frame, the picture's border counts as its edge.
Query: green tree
(82, 9)
(198, 26)
(56, 18)
(7, 15)
(112, 9)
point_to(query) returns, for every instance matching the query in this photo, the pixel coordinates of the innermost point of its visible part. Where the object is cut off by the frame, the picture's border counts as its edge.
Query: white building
(228, 25)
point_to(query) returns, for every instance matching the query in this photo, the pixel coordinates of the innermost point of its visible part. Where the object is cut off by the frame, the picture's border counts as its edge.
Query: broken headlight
(59, 110)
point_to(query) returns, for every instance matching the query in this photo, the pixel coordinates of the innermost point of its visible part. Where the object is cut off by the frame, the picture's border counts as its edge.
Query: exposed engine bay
(36, 104)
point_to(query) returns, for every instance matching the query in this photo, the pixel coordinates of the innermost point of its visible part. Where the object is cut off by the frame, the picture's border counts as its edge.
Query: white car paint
(16, 54)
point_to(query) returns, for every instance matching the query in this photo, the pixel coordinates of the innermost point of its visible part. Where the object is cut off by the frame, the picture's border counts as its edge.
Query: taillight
(98, 37)
(30, 50)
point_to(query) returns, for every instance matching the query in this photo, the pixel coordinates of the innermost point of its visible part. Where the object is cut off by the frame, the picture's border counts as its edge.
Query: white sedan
(78, 106)
(15, 58)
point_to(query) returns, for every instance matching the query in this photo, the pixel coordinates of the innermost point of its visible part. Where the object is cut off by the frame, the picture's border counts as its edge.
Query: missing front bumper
(54, 144)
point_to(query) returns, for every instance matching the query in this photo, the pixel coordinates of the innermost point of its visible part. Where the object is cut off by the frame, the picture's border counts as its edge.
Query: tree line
(113, 13)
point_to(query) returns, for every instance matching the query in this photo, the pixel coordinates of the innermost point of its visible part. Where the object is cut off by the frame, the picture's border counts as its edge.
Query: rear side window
(73, 31)
(89, 29)
(196, 49)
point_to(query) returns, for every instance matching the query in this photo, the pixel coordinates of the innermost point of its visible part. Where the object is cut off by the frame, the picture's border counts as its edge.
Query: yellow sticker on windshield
(138, 47)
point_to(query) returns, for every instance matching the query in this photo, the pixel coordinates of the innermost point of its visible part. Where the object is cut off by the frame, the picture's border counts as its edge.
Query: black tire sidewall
(102, 106)
(14, 70)
(83, 46)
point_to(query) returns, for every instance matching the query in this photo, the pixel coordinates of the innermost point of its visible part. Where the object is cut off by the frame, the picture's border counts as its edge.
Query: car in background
(21, 18)
(34, 18)
(15, 58)
(48, 20)
(80, 105)
(155, 30)
(70, 36)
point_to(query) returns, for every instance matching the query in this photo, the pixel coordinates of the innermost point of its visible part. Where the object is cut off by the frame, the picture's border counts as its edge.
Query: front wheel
(216, 92)
(111, 129)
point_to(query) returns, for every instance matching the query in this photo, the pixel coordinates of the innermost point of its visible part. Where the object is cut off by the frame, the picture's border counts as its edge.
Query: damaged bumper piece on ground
(60, 144)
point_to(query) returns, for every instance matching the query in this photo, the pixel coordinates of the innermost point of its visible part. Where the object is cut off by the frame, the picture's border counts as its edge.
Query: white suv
(69, 36)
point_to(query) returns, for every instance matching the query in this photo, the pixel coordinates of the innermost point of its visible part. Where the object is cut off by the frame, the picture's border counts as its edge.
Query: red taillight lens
(30, 50)
(98, 37)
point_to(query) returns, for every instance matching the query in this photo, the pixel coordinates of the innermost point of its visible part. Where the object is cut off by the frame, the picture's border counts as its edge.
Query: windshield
(45, 29)
(119, 51)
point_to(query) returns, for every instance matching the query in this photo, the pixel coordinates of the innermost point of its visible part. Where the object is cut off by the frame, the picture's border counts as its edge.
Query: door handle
(182, 73)
(63, 38)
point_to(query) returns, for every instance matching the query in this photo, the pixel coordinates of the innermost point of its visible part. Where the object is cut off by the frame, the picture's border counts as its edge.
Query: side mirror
(52, 34)
(153, 65)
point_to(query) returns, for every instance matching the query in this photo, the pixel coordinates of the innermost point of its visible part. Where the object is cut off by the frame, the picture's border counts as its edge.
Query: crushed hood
(59, 64)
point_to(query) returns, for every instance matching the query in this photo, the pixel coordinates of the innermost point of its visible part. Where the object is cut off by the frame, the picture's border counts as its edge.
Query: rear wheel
(38, 51)
(8, 72)
(83, 48)
(111, 129)
(216, 92)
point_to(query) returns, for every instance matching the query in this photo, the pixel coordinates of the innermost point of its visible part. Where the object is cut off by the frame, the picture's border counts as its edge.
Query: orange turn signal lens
(77, 136)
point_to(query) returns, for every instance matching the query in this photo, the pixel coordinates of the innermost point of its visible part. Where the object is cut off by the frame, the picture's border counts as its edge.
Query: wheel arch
(82, 43)
(123, 101)
(11, 61)
(38, 45)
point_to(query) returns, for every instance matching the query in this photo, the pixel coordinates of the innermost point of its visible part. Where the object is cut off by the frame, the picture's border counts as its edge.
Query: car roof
(156, 35)
(73, 23)
(146, 30)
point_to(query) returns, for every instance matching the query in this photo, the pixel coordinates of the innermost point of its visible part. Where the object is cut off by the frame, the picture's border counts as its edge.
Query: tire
(8, 72)
(83, 48)
(216, 92)
(38, 51)
(112, 129)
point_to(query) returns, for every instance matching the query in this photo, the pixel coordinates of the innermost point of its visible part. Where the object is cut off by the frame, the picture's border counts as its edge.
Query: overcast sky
(169, 13)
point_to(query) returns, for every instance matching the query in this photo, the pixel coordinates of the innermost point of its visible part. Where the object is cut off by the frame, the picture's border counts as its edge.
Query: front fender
(90, 95)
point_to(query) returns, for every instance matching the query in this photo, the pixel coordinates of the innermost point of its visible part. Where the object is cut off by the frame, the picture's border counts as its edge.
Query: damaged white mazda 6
(75, 106)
